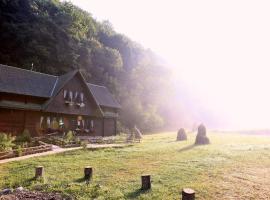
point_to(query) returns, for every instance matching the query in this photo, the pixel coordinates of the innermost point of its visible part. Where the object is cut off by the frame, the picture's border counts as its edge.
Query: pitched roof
(62, 80)
(102, 96)
(20, 81)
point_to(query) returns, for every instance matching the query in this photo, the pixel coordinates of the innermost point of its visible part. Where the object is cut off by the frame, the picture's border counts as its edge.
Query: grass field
(233, 166)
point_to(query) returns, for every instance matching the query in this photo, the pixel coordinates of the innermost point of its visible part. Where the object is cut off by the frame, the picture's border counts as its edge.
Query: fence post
(39, 171)
(146, 182)
(88, 173)
(188, 194)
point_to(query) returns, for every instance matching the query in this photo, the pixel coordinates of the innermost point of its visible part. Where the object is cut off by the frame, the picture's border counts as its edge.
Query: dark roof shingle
(20, 81)
(102, 96)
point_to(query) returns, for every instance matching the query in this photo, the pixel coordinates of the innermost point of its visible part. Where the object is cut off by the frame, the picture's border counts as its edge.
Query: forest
(55, 37)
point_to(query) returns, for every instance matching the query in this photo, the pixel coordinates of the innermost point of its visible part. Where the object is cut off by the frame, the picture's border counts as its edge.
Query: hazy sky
(220, 49)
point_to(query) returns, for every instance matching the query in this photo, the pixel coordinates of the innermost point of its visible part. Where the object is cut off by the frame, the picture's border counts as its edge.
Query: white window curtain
(65, 94)
(75, 95)
(81, 96)
(41, 121)
(48, 122)
(70, 95)
(92, 123)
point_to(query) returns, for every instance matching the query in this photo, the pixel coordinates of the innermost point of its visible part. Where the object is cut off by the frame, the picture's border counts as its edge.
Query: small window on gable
(81, 97)
(65, 94)
(75, 96)
(92, 124)
(70, 97)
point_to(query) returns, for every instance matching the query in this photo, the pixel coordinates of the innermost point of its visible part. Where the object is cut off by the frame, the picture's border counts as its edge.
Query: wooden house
(44, 103)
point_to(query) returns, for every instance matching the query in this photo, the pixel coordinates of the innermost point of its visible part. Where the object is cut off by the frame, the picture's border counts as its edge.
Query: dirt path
(57, 149)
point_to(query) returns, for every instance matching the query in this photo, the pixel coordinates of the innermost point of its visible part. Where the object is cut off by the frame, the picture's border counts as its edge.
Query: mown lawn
(233, 166)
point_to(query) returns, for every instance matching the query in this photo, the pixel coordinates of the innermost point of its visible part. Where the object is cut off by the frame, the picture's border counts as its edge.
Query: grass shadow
(186, 148)
(80, 180)
(135, 194)
(83, 180)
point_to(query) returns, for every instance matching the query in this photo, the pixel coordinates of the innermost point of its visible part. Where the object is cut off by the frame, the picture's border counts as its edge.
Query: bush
(25, 137)
(19, 150)
(6, 142)
(69, 137)
(78, 141)
(84, 145)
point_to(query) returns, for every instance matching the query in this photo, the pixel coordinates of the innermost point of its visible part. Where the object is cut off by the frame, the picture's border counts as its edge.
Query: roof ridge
(96, 85)
(17, 68)
(56, 81)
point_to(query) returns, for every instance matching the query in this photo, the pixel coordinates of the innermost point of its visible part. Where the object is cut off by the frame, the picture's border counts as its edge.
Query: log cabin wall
(11, 121)
(15, 121)
(109, 126)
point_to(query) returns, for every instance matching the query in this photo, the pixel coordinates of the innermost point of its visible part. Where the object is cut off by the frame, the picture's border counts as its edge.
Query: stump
(88, 172)
(39, 171)
(201, 137)
(146, 182)
(188, 194)
(181, 135)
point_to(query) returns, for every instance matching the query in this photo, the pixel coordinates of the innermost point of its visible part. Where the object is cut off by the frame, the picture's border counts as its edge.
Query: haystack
(181, 135)
(201, 137)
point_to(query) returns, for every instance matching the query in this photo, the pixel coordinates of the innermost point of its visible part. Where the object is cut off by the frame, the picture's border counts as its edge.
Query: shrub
(25, 137)
(84, 145)
(78, 141)
(6, 142)
(19, 150)
(69, 137)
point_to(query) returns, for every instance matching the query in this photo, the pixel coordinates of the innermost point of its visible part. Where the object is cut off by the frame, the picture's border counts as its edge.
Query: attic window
(75, 96)
(65, 94)
(70, 96)
(81, 97)
(79, 100)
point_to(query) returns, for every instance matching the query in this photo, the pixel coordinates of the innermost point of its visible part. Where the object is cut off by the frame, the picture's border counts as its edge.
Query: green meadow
(233, 166)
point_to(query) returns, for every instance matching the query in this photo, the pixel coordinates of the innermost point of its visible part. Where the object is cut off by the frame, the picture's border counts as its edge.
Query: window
(83, 124)
(41, 122)
(48, 122)
(61, 123)
(76, 96)
(70, 96)
(65, 94)
(92, 124)
(81, 97)
(55, 124)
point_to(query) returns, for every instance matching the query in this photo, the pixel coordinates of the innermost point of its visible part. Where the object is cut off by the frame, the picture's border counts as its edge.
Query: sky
(220, 50)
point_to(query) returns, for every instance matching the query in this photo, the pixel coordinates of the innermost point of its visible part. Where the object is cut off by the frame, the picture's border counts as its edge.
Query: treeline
(58, 37)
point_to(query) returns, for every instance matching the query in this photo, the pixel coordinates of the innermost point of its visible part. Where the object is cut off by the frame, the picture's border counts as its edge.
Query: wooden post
(188, 194)
(39, 171)
(88, 172)
(146, 182)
